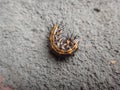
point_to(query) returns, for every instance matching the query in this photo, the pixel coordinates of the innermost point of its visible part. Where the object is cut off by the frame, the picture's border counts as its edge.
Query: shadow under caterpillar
(62, 46)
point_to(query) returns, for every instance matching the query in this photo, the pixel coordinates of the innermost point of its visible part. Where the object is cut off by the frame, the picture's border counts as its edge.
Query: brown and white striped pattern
(60, 45)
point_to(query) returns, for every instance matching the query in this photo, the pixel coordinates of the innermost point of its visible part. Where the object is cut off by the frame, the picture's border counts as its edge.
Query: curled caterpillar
(62, 46)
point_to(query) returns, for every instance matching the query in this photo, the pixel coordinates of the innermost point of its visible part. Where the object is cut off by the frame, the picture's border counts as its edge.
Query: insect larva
(60, 46)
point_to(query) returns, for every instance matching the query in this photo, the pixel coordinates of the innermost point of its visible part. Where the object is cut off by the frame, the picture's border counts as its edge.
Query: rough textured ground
(25, 60)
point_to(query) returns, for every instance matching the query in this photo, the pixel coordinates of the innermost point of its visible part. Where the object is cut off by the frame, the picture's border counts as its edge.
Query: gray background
(25, 60)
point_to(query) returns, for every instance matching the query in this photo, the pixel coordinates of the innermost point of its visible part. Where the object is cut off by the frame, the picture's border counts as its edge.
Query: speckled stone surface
(25, 60)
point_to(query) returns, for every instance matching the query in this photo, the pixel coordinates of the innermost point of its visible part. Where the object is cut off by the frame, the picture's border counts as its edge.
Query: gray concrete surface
(25, 60)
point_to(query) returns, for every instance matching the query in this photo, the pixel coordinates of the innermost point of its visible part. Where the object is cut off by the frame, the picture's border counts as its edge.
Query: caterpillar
(62, 46)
